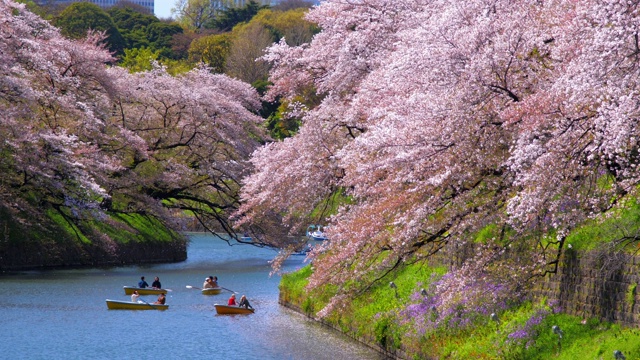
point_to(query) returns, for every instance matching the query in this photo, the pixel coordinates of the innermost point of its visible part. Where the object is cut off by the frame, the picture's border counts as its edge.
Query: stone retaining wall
(596, 284)
(600, 284)
(588, 284)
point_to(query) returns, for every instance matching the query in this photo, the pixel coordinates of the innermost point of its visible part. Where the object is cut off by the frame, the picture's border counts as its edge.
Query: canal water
(62, 314)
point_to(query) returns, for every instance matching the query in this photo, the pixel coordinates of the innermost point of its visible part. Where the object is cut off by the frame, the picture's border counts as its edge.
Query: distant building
(147, 4)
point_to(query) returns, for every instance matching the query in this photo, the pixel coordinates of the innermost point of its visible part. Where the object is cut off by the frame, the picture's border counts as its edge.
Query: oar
(227, 289)
(193, 287)
(148, 304)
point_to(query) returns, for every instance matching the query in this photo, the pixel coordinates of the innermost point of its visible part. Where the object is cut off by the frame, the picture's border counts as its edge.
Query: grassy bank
(522, 331)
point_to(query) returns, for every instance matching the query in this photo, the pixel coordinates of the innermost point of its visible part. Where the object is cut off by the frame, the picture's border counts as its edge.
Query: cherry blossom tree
(439, 118)
(84, 137)
(54, 94)
(192, 135)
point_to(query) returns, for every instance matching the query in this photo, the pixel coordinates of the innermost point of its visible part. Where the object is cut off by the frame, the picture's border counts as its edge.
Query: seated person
(156, 283)
(135, 296)
(232, 300)
(214, 281)
(207, 284)
(142, 284)
(161, 299)
(245, 303)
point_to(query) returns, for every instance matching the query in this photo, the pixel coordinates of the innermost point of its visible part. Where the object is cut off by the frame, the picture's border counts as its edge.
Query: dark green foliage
(269, 109)
(160, 35)
(132, 25)
(78, 18)
(143, 30)
(128, 19)
(55, 238)
(234, 16)
(382, 329)
(280, 127)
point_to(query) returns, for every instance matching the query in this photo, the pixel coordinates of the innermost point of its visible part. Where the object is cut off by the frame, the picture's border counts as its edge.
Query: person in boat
(135, 296)
(161, 299)
(142, 284)
(156, 283)
(214, 281)
(207, 284)
(245, 303)
(232, 300)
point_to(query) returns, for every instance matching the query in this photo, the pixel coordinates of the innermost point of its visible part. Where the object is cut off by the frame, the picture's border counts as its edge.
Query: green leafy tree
(132, 24)
(289, 24)
(177, 67)
(133, 6)
(137, 60)
(281, 126)
(160, 36)
(78, 18)
(212, 50)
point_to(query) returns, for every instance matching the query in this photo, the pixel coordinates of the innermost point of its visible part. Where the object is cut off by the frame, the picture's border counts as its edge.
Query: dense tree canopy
(132, 25)
(289, 24)
(439, 118)
(211, 50)
(143, 30)
(78, 18)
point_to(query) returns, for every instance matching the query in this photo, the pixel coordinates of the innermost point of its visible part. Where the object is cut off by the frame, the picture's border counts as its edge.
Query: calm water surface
(62, 314)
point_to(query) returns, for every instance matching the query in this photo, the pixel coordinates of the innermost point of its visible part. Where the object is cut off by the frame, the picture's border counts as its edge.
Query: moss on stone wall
(58, 240)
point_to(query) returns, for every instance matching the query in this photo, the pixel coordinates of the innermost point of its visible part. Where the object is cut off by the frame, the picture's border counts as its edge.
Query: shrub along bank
(384, 318)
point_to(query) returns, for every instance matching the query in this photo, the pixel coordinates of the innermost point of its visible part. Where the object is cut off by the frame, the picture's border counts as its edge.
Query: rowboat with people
(140, 305)
(144, 291)
(232, 310)
(212, 291)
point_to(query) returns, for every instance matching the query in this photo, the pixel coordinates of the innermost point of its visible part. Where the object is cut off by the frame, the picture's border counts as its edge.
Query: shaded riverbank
(55, 242)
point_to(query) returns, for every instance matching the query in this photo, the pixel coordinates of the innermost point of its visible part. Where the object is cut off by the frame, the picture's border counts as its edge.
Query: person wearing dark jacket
(245, 303)
(156, 283)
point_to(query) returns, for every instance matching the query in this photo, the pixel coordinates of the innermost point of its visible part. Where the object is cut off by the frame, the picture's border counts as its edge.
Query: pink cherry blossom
(439, 118)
